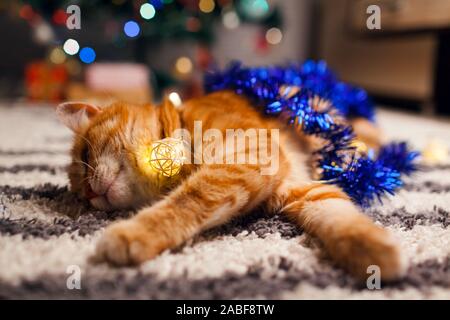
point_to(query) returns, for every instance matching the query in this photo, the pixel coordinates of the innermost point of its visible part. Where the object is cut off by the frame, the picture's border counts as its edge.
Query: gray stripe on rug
(31, 152)
(254, 283)
(88, 223)
(436, 167)
(46, 190)
(261, 225)
(80, 217)
(33, 167)
(82, 226)
(402, 218)
(427, 186)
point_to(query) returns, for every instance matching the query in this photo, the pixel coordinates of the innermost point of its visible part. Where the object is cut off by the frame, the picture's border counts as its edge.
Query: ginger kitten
(108, 171)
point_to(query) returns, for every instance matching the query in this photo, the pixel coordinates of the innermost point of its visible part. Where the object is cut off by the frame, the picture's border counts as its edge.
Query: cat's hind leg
(348, 236)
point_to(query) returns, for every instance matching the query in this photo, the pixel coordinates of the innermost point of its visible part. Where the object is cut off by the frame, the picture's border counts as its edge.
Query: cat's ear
(169, 117)
(76, 115)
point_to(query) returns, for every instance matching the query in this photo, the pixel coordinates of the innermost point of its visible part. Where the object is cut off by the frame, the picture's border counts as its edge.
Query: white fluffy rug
(44, 230)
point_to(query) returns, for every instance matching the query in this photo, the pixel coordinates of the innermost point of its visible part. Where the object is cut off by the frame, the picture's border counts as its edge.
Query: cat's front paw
(127, 243)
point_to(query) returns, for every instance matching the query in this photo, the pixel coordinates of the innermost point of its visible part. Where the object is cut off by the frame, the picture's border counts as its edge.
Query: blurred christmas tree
(148, 24)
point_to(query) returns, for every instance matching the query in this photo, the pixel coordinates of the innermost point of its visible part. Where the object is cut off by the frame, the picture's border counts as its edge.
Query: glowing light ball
(87, 55)
(71, 47)
(147, 11)
(131, 29)
(167, 156)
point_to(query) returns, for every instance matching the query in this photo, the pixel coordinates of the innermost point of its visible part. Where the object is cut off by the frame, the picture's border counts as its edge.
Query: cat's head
(107, 153)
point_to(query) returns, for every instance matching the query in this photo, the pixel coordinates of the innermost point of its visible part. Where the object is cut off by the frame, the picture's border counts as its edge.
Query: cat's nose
(105, 174)
(100, 186)
(90, 194)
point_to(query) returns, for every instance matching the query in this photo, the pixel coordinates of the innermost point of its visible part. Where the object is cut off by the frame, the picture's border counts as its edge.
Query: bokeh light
(71, 47)
(183, 65)
(57, 56)
(175, 98)
(255, 9)
(26, 12)
(87, 55)
(158, 4)
(193, 24)
(274, 36)
(147, 11)
(206, 6)
(59, 17)
(43, 33)
(131, 28)
(230, 20)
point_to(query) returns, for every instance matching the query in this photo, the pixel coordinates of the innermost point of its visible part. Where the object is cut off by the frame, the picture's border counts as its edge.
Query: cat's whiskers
(84, 180)
(96, 150)
(85, 163)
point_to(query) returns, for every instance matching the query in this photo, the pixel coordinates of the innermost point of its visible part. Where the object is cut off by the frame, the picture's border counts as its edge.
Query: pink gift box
(117, 76)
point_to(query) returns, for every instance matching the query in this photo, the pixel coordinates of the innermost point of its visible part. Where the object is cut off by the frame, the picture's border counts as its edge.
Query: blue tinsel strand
(397, 156)
(320, 80)
(363, 179)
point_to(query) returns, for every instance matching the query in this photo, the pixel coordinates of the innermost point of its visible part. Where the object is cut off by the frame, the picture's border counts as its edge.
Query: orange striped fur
(106, 169)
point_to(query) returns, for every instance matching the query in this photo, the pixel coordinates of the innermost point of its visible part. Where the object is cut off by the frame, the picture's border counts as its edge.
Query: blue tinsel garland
(270, 88)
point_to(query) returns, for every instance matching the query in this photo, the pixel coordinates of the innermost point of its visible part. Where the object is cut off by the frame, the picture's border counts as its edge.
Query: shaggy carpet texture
(45, 231)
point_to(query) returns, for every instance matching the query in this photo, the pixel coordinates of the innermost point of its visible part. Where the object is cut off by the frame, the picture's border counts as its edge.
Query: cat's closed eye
(85, 155)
